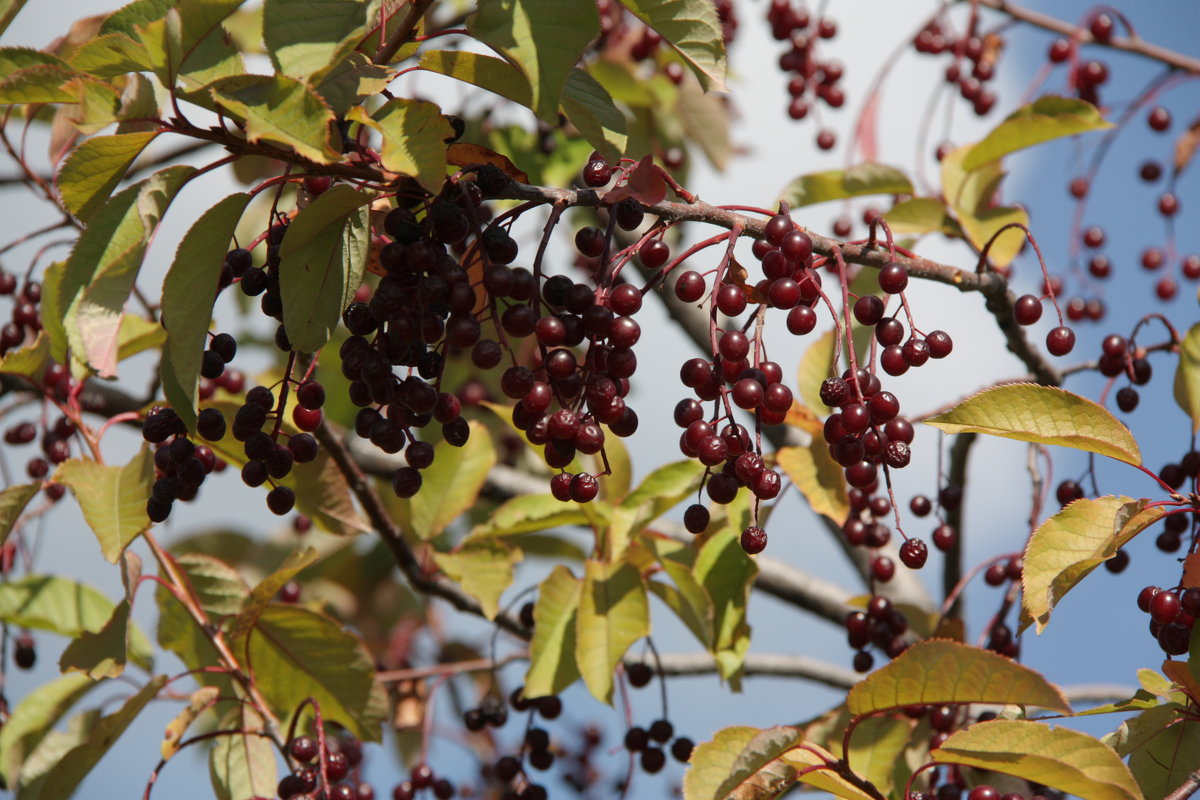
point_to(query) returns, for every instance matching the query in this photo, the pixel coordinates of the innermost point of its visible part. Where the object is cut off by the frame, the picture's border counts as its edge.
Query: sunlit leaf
(527, 513)
(268, 587)
(113, 499)
(1072, 543)
(693, 29)
(111, 55)
(613, 614)
(94, 168)
(305, 37)
(1043, 415)
(1044, 119)
(552, 665)
(352, 80)
(836, 184)
(920, 215)
(137, 335)
(982, 226)
(939, 671)
(1059, 758)
(487, 72)
(818, 477)
(29, 361)
(876, 745)
(590, 109)
(242, 766)
(44, 83)
(483, 568)
(449, 486)
(101, 654)
(661, 490)
(727, 573)
(12, 502)
(414, 138)
(280, 110)
(200, 701)
(1187, 376)
(969, 190)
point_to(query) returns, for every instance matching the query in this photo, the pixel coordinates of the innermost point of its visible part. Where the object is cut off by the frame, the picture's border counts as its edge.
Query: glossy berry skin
(1164, 607)
(913, 553)
(639, 675)
(1060, 341)
(754, 540)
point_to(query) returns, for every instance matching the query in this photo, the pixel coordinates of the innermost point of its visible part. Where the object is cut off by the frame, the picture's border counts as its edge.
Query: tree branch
(956, 475)
(1128, 44)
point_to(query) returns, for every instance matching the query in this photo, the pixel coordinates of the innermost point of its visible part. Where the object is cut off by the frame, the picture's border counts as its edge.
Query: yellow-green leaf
(137, 335)
(818, 477)
(483, 568)
(268, 587)
(30, 361)
(8, 12)
(528, 513)
(487, 72)
(982, 226)
(613, 614)
(12, 502)
(110, 55)
(1072, 543)
(727, 573)
(305, 37)
(921, 215)
(876, 745)
(352, 80)
(661, 490)
(242, 766)
(113, 499)
(589, 107)
(101, 654)
(43, 83)
(971, 191)
(35, 717)
(414, 138)
(1043, 415)
(94, 168)
(1044, 119)
(1165, 755)
(449, 486)
(815, 367)
(939, 671)
(836, 184)
(1059, 758)
(693, 29)
(704, 117)
(1187, 376)
(200, 701)
(552, 665)
(280, 110)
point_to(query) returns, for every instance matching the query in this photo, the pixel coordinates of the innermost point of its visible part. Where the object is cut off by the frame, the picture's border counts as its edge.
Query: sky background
(1097, 635)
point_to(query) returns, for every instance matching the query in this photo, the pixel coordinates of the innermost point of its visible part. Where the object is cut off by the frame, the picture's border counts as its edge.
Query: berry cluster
(974, 61)
(340, 761)
(1172, 613)
(267, 457)
(881, 625)
(25, 320)
(646, 742)
(180, 465)
(620, 30)
(811, 79)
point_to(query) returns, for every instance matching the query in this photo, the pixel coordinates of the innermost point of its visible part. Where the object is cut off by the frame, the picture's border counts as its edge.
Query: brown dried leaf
(462, 154)
(1186, 144)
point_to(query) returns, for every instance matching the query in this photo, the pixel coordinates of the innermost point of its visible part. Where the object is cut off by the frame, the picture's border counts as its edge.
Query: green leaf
(705, 120)
(187, 309)
(483, 568)
(552, 665)
(981, 227)
(1164, 762)
(815, 367)
(298, 654)
(545, 38)
(18, 58)
(687, 599)
(449, 486)
(1060, 758)
(113, 499)
(137, 335)
(613, 614)
(104, 265)
(43, 83)
(217, 587)
(242, 766)
(280, 110)
(8, 12)
(921, 215)
(324, 254)
(727, 573)
(101, 654)
(876, 745)
(53, 310)
(30, 361)
(51, 750)
(306, 37)
(268, 587)
(73, 767)
(35, 717)
(414, 138)
(1046, 118)
(589, 107)
(528, 513)
(661, 490)
(487, 72)
(862, 179)
(111, 55)
(12, 502)
(693, 29)
(939, 671)
(1069, 545)
(818, 477)
(352, 80)
(971, 191)
(1043, 415)
(180, 633)
(1187, 376)
(139, 12)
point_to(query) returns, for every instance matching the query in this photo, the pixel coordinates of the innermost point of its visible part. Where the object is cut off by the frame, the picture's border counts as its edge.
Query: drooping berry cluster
(1172, 613)
(974, 61)
(340, 760)
(811, 79)
(180, 465)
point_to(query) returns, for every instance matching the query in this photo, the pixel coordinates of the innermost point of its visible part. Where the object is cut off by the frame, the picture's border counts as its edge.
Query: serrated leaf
(12, 502)
(138, 12)
(35, 717)
(528, 513)
(305, 37)
(1043, 415)
(242, 766)
(74, 766)
(92, 171)
(111, 55)
(1135, 732)
(1069, 545)
(449, 486)
(876, 745)
(939, 671)
(43, 83)
(487, 72)
(552, 665)
(199, 702)
(297, 654)
(113, 499)
(104, 265)
(414, 138)
(29, 361)
(589, 107)
(545, 38)
(483, 568)
(693, 29)
(324, 255)
(818, 477)
(352, 80)
(921, 215)
(268, 587)
(101, 654)
(660, 491)
(982, 226)
(613, 614)
(1059, 758)
(1187, 376)
(280, 110)
(1043, 120)
(836, 184)
(8, 12)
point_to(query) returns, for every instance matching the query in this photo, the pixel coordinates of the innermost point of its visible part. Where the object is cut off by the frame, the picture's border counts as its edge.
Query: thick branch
(1083, 36)
(956, 475)
(786, 666)
(1187, 788)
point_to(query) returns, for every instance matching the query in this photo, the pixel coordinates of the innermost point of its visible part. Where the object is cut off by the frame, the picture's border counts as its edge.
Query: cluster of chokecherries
(340, 760)
(25, 319)
(974, 61)
(621, 31)
(1086, 76)
(810, 79)
(1173, 613)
